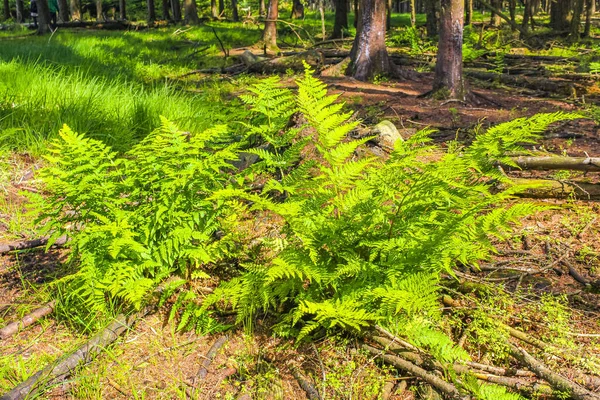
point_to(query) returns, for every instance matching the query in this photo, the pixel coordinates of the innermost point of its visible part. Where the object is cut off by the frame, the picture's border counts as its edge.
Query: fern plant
(141, 217)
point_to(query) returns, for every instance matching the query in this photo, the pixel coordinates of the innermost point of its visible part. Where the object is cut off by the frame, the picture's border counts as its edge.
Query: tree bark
(270, 32)
(190, 12)
(261, 8)
(234, 11)
(6, 10)
(559, 13)
(63, 10)
(75, 10)
(589, 11)
(176, 8)
(432, 12)
(43, 17)
(213, 9)
(512, 10)
(98, 10)
(14, 327)
(221, 7)
(341, 19)
(495, 18)
(165, 10)
(151, 11)
(413, 12)
(19, 7)
(576, 20)
(122, 10)
(298, 10)
(369, 55)
(448, 78)
(545, 163)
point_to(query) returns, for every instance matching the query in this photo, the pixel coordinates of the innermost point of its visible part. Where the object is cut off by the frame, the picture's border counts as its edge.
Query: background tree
(75, 10)
(190, 12)
(341, 18)
(297, 9)
(176, 8)
(369, 56)
(270, 33)
(448, 80)
(431, 12)
(576, 20)
(19, 7)
(261, 8)
(559, 15)
(6, 10)
(213, 9)
(165, 10)
(234, 11)
(98, 10)
(589, 12)
(152, 13)
(43, 17)
(63, 10)
(122, 10)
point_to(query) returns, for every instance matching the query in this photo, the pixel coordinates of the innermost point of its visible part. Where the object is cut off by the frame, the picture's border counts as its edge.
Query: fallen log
(556, 87)
(208, 359)
(64, 367)
(26, 321)
(295, 62)
(30, 244)
(546, 188)
(311, 392)
(545, 163)
(557, 381)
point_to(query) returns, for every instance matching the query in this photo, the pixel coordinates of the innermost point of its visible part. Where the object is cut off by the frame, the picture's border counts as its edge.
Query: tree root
(29, 319)
(30, 244)
(63, 368)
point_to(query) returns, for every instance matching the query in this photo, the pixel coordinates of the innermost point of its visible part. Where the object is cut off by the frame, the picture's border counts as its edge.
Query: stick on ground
(65, 366)
(311, 392)
(30, 244)
(14, 327)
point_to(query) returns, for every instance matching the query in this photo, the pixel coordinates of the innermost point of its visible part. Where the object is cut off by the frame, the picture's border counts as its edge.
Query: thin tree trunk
(190, 12)
(75, 10)
(512, 10)
(6, 10)
(221, 7)
(165, 10)
(213, 9)
(270, 32)
(448, 78)
(43, 17)
(151, 12)
(261, 7)
(495, 18)
(234, 11)
(341, 18)
(356, 13)
(413, 13)
(322, 12)
(19, 7)
(576, 20)
(526, 15)
(589, 11)
(98, 10)
(176, 8)
(63, 10)
(369, 55)
(388, 15)
(122, 10)
(431, 9)
(297, 10)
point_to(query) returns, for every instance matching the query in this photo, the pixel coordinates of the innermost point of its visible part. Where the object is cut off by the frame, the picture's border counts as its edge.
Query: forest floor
(556, 252)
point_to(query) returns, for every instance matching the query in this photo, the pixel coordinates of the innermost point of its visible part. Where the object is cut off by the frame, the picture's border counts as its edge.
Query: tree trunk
(261, 8)
(98, 10)
(341, 18)
(19, 7)
(165, 10)
(369, 55)
(322, 13)
(190, 12)
(448, 78)
(495, 18)
(43, 17)
(388, 15)
(63, 10)
(234, 11)
(512, 10)
(576, 20)
(270, 32)
(221, 7)
(413, 13)
(213, 9)
(75, 10)
(589, 11)
(297, 10)
(356, 13)
(151, 12)
(176, 9)
(559, 13)
(431, 10)
(526, 15)
(6, 10)
(122, 10)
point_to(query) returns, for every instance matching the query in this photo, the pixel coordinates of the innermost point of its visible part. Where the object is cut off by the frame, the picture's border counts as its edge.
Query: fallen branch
(445, 387)
(63, 368)
(208, 359)
(546, 188)
(30, 244)
(588, 164)
(311, 392)
(27, 320)
(557, 381)
(549, 86)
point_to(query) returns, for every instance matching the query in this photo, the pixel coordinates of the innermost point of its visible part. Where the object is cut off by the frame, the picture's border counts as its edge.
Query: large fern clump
(141, 217)
(365, 240)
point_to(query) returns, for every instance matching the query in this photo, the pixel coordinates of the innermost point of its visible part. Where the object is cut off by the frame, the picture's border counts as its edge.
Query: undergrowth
(362, 240)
